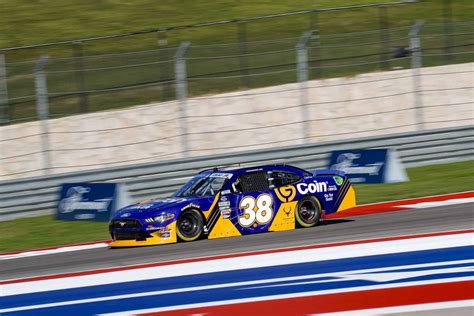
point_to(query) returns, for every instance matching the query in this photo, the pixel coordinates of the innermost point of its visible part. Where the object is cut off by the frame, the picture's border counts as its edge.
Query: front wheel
(308, 212)
(190, 225)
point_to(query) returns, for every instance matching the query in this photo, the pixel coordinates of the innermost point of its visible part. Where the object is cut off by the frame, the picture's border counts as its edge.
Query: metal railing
(38, 195)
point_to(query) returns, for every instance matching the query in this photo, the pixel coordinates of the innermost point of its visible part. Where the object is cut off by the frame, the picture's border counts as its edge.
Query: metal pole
(42, 110)
(384, 38)
(4, 117)
(302, 73)
(416, 64)
(79, 74)
(448, 29)
(182, 93)
(243, 62)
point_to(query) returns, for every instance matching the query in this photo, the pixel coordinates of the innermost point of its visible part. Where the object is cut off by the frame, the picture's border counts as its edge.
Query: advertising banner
(369, 165)
(90, 201)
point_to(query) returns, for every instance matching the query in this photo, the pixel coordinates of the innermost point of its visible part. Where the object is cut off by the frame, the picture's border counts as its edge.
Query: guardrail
(38, 195)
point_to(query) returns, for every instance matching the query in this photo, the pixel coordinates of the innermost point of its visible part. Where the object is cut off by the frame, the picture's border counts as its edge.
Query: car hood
(150, 207)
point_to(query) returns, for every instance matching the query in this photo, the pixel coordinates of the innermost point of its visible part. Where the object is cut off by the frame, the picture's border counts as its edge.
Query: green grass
(44, 231)
(424, 181)
(25, 22)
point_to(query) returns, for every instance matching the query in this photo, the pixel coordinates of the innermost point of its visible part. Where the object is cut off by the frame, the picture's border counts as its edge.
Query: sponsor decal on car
(190, 205)
(286, 193)
(314, 187)
(225, 213)
(221, 175)
(151, 227)
(163, 217)
(165, 232)
(142, 206)
(224, 204)
(328, 197)
(338, 180)
(224, 207)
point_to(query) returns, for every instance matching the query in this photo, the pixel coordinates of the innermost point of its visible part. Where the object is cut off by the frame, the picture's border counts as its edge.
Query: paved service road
(454, 217)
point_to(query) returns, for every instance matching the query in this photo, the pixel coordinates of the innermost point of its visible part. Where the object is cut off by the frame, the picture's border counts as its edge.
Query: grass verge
(44, 231)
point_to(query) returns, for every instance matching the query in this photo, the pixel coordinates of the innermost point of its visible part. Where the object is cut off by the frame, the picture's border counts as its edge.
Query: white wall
(339, 108)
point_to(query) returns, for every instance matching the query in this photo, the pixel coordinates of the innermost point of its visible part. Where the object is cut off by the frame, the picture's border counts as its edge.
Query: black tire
(308, 212)
(190, 225)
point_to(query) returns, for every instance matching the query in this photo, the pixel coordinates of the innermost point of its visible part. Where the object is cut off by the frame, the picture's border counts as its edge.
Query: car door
(254, 203)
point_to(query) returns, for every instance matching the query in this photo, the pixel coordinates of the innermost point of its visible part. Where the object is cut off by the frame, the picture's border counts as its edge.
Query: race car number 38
(256, 210)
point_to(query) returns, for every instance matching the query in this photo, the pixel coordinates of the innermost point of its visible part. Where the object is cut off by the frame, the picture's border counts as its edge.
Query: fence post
(416, 64)
(42, 110)
(302, 73)
(4, 117)
(182, 93)
(79, 74)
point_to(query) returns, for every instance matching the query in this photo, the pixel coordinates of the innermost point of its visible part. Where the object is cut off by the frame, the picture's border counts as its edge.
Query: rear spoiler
(329, 172)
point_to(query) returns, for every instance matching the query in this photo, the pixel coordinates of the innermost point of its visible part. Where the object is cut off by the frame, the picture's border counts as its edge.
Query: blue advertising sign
(90, 201)
(369, 165)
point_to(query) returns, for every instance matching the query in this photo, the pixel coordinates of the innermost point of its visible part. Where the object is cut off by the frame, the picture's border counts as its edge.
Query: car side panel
(224, 222)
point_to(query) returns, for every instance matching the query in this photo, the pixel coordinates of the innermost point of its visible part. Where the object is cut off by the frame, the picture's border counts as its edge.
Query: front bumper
(141, 238)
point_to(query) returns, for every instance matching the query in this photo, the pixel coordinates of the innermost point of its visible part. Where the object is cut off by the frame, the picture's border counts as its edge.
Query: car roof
(241, 170)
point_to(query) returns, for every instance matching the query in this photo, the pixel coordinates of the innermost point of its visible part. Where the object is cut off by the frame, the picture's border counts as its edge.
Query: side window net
(252, 182)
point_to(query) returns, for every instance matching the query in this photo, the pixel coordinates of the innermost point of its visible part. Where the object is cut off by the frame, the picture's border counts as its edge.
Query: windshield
(203, 185)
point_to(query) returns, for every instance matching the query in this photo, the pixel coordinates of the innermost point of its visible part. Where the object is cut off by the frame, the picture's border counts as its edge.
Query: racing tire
(308, 212)
(190, 225)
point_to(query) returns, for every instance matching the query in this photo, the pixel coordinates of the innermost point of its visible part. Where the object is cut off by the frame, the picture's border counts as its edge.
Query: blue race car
(234, 202)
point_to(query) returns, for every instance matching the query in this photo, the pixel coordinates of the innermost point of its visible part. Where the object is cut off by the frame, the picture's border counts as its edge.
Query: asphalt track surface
(416, 221)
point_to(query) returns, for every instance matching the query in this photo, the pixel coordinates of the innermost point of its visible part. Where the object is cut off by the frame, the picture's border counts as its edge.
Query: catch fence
(295, 109)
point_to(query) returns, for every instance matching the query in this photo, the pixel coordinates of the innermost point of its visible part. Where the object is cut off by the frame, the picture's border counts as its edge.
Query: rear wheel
(308, 212)
(190, 225)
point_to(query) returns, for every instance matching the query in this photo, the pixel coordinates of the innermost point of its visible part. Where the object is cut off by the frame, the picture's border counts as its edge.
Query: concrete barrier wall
(339, 108)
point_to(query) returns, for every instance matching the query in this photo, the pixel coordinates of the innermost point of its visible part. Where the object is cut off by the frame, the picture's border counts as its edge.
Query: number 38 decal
(258, 210)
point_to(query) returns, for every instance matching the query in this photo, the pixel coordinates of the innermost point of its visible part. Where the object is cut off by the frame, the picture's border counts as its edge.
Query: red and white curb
(391, 206)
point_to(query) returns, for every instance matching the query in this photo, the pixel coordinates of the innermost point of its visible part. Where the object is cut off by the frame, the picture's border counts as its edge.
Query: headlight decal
(163, 217)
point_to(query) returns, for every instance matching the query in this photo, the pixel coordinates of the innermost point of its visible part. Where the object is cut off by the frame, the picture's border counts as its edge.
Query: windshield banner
(90, 201)
(369, 165)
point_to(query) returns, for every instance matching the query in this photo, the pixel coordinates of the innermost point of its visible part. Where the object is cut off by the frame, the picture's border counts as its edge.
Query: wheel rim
(189, 225)
(307, 212)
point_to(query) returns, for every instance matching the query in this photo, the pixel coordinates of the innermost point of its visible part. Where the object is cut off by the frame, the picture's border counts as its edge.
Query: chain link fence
(242, 94)
(100, 82)
(286, 91)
